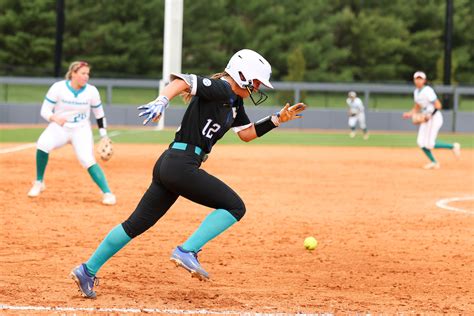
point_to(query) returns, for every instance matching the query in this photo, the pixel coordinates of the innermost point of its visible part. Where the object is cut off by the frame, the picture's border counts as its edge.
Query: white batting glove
(154, 109)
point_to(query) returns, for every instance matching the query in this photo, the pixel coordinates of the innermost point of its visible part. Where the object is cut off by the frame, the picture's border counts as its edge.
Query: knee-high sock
(99, 177)
(41, 162)
(443, 145)
(429, 154)
(213, 225)
(112, 243)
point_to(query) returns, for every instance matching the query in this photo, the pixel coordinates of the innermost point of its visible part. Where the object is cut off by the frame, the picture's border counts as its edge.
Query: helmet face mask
(244, 67)
(261, 96)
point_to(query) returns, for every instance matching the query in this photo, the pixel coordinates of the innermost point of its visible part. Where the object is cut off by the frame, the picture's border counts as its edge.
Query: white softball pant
(56, 136)
(357, 118)
(428, 131)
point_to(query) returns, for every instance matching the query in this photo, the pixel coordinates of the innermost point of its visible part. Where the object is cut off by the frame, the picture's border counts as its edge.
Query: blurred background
(356, 43)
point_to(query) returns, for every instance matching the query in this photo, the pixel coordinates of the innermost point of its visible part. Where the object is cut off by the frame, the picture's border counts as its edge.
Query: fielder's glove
(154, 109)
(105, 149)
(289, 113)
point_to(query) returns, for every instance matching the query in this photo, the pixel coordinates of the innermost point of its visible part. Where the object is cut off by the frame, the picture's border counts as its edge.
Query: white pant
(360, 117)
(428, 131)
(56, 136)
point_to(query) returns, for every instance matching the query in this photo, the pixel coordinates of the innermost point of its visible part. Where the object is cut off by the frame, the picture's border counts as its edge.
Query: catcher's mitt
(105, 149)
(418, 118)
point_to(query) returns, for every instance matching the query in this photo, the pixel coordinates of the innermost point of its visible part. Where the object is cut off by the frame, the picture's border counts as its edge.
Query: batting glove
(154, 109)
(289, 113)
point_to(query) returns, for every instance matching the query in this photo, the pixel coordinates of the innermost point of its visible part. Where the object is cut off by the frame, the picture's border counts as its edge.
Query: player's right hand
(289, 113)
(58, 119)
(154, 109)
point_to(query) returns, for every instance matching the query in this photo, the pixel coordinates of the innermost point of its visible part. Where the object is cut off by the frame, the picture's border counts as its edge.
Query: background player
(216, 106)
(427, 103)
(67, 107)
(356, 114)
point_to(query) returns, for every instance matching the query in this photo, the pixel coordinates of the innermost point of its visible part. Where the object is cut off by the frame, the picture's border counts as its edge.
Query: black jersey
(213, 110)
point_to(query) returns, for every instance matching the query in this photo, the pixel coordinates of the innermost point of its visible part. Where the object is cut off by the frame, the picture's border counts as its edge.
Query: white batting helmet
(247, 65)
(352, 94)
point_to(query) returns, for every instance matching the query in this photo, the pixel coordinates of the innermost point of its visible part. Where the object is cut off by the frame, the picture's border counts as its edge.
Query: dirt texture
(384, 246)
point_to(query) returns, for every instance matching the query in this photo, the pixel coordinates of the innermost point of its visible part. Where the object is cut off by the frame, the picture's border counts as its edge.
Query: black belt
(190, 148)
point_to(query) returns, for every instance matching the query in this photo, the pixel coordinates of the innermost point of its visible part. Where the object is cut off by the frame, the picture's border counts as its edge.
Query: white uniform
(428, 131)
(75, 105)
(356, 110)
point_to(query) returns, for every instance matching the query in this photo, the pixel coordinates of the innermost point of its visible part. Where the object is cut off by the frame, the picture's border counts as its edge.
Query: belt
(190, 148)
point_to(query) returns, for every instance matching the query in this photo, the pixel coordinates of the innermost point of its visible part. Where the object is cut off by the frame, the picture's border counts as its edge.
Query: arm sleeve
(241, 121)
(49, 102)
(96, 104)
(431, 95)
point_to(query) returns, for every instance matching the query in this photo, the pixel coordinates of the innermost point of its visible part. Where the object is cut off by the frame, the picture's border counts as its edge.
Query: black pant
(177, 173)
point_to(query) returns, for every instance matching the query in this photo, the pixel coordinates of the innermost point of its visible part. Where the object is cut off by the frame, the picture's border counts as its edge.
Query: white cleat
(431, 165)
(109, 199)
(457, 150)
(38, 187)
(366, 136)
(352, 134)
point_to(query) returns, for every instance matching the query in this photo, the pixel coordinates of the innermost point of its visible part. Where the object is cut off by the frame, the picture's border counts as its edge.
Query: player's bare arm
(416, 108)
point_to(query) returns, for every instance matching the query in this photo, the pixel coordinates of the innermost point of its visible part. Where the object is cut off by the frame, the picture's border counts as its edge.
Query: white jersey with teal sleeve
(425, 98)
(355, 105)
(74, 105)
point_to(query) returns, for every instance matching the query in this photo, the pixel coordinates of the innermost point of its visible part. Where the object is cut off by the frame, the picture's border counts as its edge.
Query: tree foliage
(338, 40)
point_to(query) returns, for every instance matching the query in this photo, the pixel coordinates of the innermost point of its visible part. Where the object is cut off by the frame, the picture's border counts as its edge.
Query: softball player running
(216, 106)
(356, 114)
(427, 113)
(67, 107)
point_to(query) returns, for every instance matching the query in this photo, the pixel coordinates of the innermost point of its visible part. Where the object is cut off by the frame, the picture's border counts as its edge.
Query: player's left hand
(154, 109)
(289, 113)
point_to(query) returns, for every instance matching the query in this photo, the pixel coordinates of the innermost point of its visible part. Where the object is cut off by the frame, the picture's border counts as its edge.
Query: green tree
(27, 29)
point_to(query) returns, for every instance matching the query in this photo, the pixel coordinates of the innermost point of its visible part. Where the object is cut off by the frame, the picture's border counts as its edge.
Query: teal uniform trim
(213, 225)
(74, 91)
(429, 154)
(443, 145)
(41, 163)
(98, 176)
(183, 146)
(49, 100)
(96, 106)
(115, 240)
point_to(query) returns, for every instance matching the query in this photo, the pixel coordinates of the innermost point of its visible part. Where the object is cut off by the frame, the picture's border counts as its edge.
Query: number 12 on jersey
(209, 130)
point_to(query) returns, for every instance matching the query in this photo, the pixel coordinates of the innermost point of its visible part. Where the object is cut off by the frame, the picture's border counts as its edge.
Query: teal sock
(365, 130)
(41, 162)
(112, 243)
(429, 154)
(99, 177)
(213, 225)
(443, 145)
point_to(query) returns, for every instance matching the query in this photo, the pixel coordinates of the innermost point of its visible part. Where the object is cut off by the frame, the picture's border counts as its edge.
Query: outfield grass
(278, 137)
(137, 96)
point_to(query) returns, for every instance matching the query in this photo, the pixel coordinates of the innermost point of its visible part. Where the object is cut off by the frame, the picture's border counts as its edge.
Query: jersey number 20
(209, 131)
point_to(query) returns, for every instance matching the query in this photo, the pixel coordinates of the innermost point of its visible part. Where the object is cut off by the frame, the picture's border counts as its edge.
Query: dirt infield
(384, 246)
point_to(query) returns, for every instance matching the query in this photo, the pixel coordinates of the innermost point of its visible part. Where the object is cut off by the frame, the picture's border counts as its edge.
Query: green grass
(278, 137)
(137, 96)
